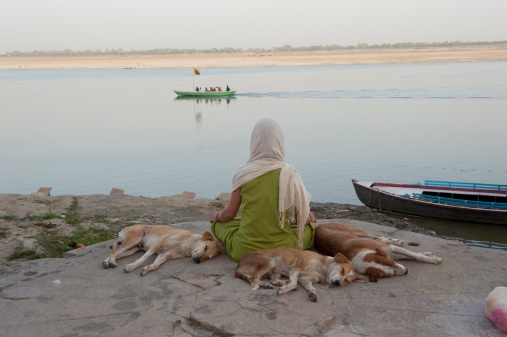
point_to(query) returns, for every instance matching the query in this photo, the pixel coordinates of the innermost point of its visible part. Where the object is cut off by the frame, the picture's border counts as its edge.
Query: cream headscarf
(267, 153)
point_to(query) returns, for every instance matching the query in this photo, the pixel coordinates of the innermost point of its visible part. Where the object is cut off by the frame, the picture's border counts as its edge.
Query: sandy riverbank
(355, 56)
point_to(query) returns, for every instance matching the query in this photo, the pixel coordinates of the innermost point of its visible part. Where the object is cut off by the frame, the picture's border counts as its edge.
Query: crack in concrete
(204, 330)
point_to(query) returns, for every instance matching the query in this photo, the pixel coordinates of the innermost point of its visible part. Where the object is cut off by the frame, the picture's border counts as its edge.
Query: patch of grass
(3, 232)
(71, 216)
(100, 218)
(8, 218)
(49, 215)
(93, 235)
(56, 245)
(46, 216)
(19, 253)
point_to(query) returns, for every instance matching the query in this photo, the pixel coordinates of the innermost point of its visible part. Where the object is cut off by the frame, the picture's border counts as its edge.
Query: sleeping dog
(370, 257)
(301, 266)
(165, 241)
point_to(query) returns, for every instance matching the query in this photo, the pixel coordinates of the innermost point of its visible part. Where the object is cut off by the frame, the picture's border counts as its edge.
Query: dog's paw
(128, 268)
(279, 283)
(436, 260)
(313, 296)
(286, 289)
(265, 285)
(108, 263)
(391, 241)
(432, 258)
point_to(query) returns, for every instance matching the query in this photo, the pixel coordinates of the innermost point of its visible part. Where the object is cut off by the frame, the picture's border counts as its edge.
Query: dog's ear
(207, 236)
(339, 258)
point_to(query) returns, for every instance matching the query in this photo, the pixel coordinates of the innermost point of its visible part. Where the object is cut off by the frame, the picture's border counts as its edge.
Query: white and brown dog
(165, 241)
(301, 266)
(374, 258)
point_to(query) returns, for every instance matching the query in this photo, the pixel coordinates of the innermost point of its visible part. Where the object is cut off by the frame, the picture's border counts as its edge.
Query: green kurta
(258, 227)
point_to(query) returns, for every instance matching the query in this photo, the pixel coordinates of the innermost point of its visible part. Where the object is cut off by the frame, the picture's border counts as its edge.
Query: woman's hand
(311, 218)
(213, 217)
(230, 211)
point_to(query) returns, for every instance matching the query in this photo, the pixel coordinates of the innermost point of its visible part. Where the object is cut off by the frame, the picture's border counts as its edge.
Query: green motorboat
(204, 94)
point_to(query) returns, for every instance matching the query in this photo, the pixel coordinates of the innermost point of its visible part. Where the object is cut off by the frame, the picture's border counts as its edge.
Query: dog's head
(340, 271)
(206, 247)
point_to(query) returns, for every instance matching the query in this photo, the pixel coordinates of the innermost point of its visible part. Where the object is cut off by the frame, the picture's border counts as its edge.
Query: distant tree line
(284, 48)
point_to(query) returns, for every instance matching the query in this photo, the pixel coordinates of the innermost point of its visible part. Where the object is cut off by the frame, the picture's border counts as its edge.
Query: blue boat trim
(442, 183)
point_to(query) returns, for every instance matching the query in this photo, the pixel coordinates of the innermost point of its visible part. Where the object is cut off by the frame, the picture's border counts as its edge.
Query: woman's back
(269, 190)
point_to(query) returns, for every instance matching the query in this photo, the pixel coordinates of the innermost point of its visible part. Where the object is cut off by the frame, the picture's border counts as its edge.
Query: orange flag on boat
(196, 71)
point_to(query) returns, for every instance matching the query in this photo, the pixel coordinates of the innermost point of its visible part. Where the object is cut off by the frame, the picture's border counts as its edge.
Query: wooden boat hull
(205, 94)
(385, 201)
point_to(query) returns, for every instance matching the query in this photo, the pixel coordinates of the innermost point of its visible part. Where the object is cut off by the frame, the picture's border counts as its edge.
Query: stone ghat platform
(75, 297)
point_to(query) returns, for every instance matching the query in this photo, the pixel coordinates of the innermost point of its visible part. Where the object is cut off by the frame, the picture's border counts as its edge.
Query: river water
(87, 131)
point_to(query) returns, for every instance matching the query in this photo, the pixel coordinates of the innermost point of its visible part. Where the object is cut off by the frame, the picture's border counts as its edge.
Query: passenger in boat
(196, 88)
(219, 88)
(227, 88)
(275, 203)
(205, 88)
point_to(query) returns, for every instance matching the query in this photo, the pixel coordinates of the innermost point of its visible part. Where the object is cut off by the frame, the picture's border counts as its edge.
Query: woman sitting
(275, 203)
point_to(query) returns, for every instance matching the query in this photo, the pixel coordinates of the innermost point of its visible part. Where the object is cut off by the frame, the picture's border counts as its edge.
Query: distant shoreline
(347, 56)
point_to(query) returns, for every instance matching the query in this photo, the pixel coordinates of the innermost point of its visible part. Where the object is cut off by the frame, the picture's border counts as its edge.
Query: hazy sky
(27, 25)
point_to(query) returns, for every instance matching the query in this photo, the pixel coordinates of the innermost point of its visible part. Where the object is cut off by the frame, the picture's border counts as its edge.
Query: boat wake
(414, 93)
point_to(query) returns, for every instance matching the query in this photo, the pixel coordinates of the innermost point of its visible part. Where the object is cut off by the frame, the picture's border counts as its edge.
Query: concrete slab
(75, 297)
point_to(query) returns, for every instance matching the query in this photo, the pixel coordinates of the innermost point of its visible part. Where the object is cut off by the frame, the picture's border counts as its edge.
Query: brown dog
(369, 257)
(301, 266)
(165, 241)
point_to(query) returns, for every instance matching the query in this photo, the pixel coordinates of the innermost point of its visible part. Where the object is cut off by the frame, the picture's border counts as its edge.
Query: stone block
(224, 196)
(117, 191)
(188, 195)
(43, 191)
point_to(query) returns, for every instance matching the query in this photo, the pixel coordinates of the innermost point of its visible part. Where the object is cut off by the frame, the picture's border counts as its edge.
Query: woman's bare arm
(230, 211)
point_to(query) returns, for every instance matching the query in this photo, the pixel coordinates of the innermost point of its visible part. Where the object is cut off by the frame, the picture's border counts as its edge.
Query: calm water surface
(86, 131)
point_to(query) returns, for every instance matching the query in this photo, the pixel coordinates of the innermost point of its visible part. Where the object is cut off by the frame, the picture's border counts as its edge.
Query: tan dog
(301, 266)
(373, 258)
(165, 241)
